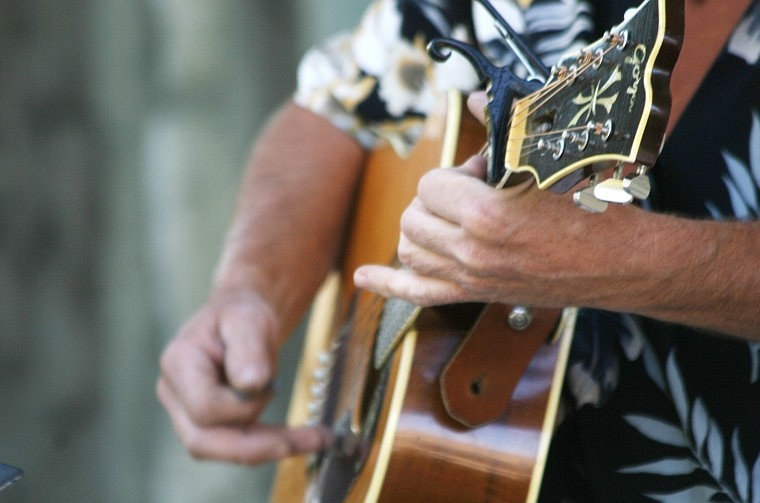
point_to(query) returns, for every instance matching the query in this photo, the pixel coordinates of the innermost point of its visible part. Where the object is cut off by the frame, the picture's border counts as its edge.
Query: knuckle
(284, 449)
(202, 412)
(426, 181)
(167, 357)
(472, 257)
(261, 453)
(195, 447)
(171, 358)
(194, 444)
(406, 219)
(480, 218)
(404, 253)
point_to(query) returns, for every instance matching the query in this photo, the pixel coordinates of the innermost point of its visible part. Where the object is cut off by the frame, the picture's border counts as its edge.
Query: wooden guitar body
(455, 403)
(408, 447)
(421, 453)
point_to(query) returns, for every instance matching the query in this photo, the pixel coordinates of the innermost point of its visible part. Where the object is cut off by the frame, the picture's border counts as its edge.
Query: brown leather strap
(481, 376)
(708, 24)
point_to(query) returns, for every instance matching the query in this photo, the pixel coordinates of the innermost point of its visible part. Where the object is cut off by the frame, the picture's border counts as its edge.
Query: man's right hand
(216, 378)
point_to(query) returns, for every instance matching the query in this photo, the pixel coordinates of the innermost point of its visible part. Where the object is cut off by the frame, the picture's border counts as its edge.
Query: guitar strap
(475, 385)
(481, 376)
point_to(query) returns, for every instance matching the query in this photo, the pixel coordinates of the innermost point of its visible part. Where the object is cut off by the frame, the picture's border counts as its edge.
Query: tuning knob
(585, 199)
(612, 190)
(638, 185)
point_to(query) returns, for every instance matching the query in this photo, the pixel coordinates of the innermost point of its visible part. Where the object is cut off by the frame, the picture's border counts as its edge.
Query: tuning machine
(586, 199)
(618, 189)
(638, 184)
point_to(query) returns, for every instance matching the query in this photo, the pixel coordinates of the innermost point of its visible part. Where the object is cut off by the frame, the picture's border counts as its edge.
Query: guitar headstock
(608, 104)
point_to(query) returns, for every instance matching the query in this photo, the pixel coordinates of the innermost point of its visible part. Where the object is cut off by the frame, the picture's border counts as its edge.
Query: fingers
(445, 192)
(248, 334)
(216, 378)
(240, 443)
(474, 167)
(192, 369)
(406, 284)
(426, 229)
(477, 103)
(224, 353)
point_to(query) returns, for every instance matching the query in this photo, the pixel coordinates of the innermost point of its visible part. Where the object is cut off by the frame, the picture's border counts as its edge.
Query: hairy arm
(293, 205)
(216, 373)
(464, 241)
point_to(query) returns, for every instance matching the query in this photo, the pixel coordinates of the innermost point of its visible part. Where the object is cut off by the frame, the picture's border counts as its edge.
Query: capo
(502, 86)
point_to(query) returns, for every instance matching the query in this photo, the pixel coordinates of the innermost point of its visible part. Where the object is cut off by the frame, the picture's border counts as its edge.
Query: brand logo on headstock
(638, 58)
(596, 97)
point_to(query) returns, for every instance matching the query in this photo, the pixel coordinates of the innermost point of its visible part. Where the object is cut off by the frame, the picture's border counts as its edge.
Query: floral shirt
(659, 412)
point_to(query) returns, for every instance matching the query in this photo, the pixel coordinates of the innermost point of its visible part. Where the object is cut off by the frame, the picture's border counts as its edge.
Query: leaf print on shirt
(745, 41)
(698, 444)
(601, 340)
(754, 354)
(743, 181)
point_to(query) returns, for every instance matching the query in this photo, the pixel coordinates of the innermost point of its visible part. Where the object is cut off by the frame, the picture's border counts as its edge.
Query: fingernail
(255, 394)
(359, 276)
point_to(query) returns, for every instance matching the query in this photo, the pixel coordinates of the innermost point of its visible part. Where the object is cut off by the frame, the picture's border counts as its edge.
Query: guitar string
(364, 314)
(538, 100)
(369, 311)
(547, 93)
(360, 315)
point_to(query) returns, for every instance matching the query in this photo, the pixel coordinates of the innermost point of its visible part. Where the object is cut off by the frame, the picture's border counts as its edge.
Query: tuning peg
(602, 130)
(638, 185)
(585, 198)
(612, 190)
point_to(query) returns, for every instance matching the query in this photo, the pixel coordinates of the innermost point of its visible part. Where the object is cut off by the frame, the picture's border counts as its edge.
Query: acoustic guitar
(458, 403)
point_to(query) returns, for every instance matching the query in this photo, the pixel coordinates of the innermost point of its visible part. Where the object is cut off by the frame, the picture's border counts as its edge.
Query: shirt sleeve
(378, 82)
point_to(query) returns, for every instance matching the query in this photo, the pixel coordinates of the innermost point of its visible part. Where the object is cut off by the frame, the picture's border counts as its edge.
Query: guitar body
(420, 453)
(457, 403)
(407, 446)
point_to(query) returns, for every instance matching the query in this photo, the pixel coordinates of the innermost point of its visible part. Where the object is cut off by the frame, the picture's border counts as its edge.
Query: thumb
(475, 167)
(476, 104)
(250, 357)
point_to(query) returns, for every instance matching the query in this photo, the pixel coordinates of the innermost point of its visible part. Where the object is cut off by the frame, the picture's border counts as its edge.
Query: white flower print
(745, 42)
(376, 37)
(405, 85)
(742, 180)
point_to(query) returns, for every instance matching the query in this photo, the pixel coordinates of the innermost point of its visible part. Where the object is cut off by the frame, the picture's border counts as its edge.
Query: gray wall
(124, 125)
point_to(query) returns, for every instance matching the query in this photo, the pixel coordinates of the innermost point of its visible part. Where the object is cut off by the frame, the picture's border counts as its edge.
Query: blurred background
(124, 127)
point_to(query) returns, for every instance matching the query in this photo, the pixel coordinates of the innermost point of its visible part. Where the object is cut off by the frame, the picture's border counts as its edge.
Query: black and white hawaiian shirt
(659, 412)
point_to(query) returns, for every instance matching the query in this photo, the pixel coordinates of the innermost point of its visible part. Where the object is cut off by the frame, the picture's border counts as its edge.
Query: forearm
(463, 242)
(701, 273)
(287, 228)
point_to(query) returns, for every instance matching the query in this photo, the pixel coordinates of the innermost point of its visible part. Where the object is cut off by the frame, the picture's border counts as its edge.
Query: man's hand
(216, 377)
(462, 241)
